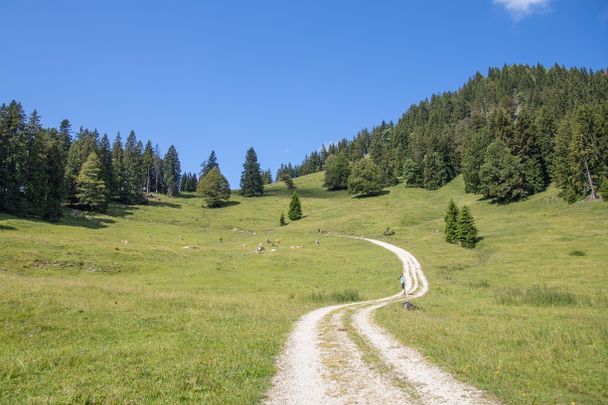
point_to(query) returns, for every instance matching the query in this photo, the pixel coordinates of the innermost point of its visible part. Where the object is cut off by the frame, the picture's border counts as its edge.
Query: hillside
(167, 301)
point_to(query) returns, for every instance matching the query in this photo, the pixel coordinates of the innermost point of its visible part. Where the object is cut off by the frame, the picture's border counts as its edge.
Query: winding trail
(338, 355)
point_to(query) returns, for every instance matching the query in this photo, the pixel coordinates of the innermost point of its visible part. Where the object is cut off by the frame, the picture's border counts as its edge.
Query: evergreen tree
(364, 178)
(80, 149)
(501, 174)
(434, 171)
(133, 172)
(65, 136)
(214, 188)
(288, 180)
(209, 164)
(119, 189)
(266, 177)
(35, 184)
(91, 190)
(171, 171)
(105, 157)
(295, 208)
(473, 158)
(55, 163)
(467, 232)
(251, 178)
(337, 170)
(157, 171)
(282, 220)
(147, 163)
(451, 222)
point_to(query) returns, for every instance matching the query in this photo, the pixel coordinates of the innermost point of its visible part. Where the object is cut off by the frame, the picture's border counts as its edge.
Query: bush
(364, 178)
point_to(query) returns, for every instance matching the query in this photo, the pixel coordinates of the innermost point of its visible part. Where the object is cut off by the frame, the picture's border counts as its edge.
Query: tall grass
(537, 296)
(333, 297)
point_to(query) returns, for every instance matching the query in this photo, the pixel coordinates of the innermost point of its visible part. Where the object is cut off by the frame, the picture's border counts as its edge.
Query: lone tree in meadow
(364, 178)
(282, 220)
(337, 170)
(91, 191)
(209, 164)
(252, 184)
(214, 188)
(451, 223)
(288, 180)
(295, 208)
(466, 230)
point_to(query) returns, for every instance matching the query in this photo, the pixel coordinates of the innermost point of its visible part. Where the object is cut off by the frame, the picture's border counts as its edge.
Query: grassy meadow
(186, 311)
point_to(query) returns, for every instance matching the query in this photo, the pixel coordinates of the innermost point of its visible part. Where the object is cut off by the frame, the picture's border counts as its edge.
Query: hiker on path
(402, 280)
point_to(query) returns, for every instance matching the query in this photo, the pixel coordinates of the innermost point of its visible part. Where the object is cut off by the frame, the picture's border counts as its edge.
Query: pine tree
(214, 188)
(295, 208)
(209, 164)
(65, 136)
(91, 191)
(451, 222)
(251, 177)
(337, 170)
(282, 220)
(467, 232)
(171, 171)
(35, 184)
(364, 178)
(80, 149)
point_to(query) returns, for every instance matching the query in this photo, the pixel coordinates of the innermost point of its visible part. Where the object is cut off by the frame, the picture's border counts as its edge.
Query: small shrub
(577, 253)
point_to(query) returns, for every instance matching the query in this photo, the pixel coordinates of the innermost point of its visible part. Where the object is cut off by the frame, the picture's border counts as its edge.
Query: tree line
(509, 133)
(41, 169)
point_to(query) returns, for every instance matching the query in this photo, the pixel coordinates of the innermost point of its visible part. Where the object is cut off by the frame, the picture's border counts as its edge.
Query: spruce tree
(295, 208)
(105, 157)
(147, 161)
(451, 222)
(282, 220)
(467, 232)
(251, 177)
(171, 171)
(118, 190)
(91, 191)
(209, 164)
(214, 188)
(55, 177)
(134, 175)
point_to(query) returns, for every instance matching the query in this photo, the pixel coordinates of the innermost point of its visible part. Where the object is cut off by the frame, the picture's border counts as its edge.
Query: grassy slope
(88, 317)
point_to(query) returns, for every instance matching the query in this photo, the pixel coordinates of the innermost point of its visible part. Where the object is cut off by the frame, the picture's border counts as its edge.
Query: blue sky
(281, 76)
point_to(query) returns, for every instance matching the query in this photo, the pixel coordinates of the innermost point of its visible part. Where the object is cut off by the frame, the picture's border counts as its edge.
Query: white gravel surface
(320, 363)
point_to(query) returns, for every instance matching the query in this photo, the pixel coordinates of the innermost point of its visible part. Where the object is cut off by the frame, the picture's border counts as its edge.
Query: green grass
(201, 318)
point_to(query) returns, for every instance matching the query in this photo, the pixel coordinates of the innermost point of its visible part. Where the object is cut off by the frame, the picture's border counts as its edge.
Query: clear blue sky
(282, 76)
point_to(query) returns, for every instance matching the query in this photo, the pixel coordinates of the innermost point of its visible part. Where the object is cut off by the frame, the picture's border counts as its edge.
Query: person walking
(402, 280)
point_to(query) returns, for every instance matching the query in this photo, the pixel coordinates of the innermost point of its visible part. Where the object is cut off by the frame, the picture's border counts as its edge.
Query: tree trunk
(593, 191)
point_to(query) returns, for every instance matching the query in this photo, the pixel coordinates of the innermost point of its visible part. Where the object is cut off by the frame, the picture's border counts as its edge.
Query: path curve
(322, 364)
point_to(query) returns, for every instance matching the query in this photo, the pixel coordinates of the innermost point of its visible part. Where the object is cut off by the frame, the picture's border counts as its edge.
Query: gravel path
(325, 362)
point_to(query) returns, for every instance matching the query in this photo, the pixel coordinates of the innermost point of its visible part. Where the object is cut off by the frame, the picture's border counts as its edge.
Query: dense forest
(41, 169)
(509, 134)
